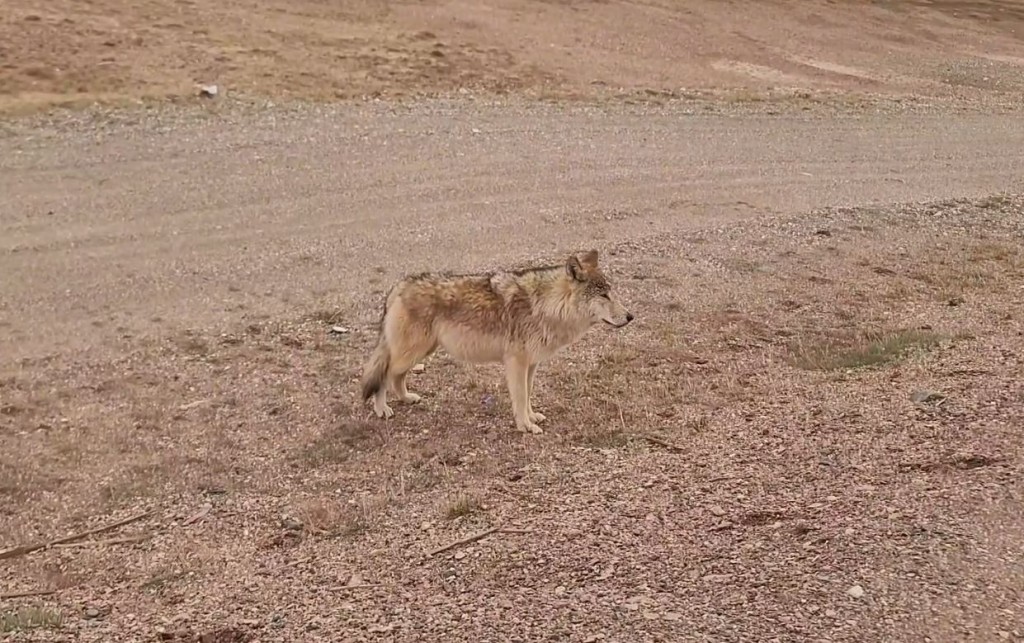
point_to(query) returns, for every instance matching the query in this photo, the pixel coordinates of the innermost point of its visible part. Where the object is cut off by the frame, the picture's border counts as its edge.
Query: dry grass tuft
(30, 618)
(337, 445)
(602, 438)
(322, 516)
(864, 350)
(462, 505)
(362, 514)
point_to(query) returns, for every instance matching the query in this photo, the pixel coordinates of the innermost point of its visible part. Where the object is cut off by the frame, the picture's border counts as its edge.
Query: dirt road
(130, 230)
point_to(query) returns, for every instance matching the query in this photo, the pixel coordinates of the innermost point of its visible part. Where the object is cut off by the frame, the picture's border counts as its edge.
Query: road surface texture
(810, 432)
(190, 225)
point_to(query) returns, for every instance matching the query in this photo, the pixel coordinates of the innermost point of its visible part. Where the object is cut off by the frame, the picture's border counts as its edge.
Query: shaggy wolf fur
(520, 318)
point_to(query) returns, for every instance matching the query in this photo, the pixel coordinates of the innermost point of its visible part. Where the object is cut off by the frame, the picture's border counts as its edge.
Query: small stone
(559, 590)
(459, 555)
(823, 232)
(831, 613)
(856, 591)
(956, 301)
(419, 368)
(1003, 634)
(340, 330)
(716, 510)
(209, 91)
(650, 616)
(925, 396)
(92, 612)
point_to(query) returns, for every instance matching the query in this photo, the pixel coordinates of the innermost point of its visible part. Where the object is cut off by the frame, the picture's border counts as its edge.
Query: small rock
(856, 591)
(716, 510)
(340, 330)
(459, 555)
(823, 232)
(209, 91)
(956, 301)
(419, 368)
(717, 578)
(92, 612)
(559, 590)
(831, 613)
(925, 396)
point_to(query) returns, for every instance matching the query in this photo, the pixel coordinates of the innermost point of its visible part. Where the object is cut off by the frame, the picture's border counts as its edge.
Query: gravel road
(108, 231)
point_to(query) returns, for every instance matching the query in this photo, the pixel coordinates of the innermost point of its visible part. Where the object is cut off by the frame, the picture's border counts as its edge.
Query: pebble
(419, 368)
(716, 510)
(856, 591)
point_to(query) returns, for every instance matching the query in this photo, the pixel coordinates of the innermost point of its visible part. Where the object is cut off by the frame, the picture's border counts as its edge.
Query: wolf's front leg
(530, 413)
(517, 374)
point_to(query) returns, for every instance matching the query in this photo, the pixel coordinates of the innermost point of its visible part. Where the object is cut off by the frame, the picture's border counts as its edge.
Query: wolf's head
(595, 291)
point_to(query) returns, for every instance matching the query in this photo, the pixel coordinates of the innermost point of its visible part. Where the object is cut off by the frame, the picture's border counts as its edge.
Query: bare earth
(812, 432)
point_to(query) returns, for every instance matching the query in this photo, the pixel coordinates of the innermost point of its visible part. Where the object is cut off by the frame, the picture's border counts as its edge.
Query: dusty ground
(811, 432)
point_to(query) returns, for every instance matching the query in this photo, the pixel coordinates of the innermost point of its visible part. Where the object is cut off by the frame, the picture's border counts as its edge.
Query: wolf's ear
(590, 259)
(574, 269)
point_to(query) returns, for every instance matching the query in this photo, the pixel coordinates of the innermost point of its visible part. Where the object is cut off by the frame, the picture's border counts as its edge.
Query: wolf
(518, 317)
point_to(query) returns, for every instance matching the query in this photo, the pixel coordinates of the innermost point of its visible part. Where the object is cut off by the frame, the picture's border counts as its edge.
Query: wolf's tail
(377, 368)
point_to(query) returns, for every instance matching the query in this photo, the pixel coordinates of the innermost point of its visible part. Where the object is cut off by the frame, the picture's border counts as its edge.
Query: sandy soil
(810, 433)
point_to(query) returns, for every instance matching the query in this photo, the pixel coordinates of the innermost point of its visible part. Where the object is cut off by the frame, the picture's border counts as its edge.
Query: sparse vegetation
(861, 350)
(30, 618)
(461, 505)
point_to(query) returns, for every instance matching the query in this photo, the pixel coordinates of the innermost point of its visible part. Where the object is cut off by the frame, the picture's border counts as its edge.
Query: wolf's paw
(384, 411)
(530, 427)
(411, 398)
(537, 417)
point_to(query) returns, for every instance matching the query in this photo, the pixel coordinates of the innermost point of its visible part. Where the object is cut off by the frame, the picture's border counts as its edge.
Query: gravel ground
(725, 468)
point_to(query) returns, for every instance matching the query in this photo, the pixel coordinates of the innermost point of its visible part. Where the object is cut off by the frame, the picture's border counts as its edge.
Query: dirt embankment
(67, 52)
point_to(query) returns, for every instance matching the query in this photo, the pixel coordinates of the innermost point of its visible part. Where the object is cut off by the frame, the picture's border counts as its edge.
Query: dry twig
(199, 515)
(36, 592)
(28, 549)
(661, 443)
(110, 541)
(466, 541)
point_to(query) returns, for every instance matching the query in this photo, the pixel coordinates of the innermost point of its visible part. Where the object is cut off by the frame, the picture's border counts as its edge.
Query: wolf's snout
(629, 317)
